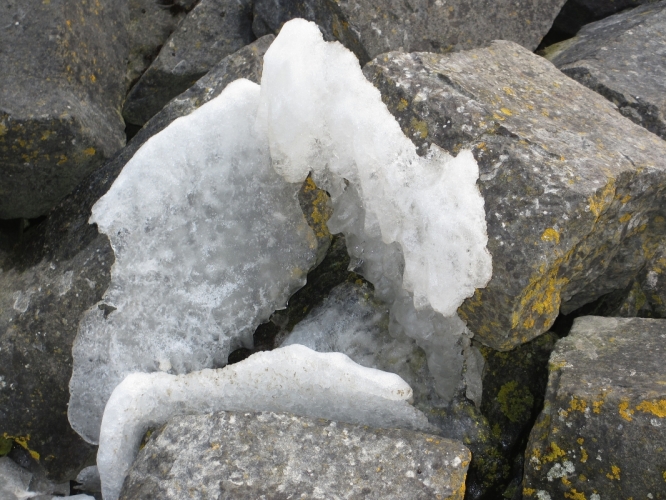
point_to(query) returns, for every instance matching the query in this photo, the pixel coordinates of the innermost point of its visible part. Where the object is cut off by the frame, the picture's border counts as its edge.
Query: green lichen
(5, 446)
(515, 402)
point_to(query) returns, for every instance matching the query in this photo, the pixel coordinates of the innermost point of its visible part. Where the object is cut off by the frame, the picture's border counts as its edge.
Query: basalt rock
(269, 455)
(600, 434)
(371, 27)
(62, 80)
(622, 58)
(573, 190)
(213, 30)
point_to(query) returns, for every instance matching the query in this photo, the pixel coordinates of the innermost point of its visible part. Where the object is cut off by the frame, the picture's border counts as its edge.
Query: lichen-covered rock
(61, 269)
(371, 27)
(150, 24)
(622, 58)
(576, 13)
(63, 83)
(573, 191)
(600, 434)
(213, 30)
(269, 455)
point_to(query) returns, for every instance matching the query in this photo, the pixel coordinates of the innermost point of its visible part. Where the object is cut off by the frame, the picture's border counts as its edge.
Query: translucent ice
(292, 379)
(208, 239)
(415, 226)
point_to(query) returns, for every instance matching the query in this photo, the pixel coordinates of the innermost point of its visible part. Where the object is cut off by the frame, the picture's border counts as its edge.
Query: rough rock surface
(371, 27)
(62, 89)
(213, 30)
(268, 455)
(150, 24)
(601, 430)
(573, 190)
(576, 13)
(60, 270)
(623, 58)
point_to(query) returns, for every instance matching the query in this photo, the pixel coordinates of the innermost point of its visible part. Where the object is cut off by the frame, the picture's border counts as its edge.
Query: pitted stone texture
(573, 191)
(61, 269)
(213, 30)
(371, 27)
(601, 429)
(62, 80)
(623, 58)
(269, 455)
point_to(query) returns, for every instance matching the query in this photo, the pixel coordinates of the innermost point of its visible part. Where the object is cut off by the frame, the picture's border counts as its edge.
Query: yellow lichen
(575, 495)
(596, 405)
(528, 492)
(580, 440)
(23, 442)
(625, 218)
(578, 404)
(554, 453)
(508, 91)
(402, 105)
(89, 152)
(602, 198)
(658, 408)
(506, 111)
(3, 129)
(614, 473)
(420, 127)
(583, 455)
(624, 410)
(551, 234)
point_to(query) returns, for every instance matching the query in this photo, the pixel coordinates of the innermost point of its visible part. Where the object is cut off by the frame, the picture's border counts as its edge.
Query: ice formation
(414, 225)
(208, 239)
(292, 379)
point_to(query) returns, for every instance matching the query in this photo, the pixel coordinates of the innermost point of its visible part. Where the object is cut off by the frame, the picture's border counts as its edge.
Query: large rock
(573, 190)
(371, 27)
(61, 269)
(600, 434)
(622, 58)
(576, 13)
(151, 22)
(62, 80)
(268, 455)
(213, 30)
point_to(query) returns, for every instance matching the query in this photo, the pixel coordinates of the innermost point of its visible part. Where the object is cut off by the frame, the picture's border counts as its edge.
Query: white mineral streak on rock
(208, 239)
(414, 225)
(292, 379)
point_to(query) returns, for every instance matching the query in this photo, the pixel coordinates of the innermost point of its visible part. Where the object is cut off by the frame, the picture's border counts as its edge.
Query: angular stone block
(63, 83)
(601, 431)
(573, 190)
(622, 58)
(269, 455)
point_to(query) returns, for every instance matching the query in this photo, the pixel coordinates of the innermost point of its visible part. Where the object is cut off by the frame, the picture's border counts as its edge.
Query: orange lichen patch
(554, 452)
(614, 473)
(624, 410)
(596, 405)
(551, 234)
(658, 408)
(575, 495)
(577, 404)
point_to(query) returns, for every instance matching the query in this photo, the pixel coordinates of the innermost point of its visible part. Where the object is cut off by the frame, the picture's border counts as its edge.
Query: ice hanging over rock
(208, 239)
(292, 379)
(415, 226)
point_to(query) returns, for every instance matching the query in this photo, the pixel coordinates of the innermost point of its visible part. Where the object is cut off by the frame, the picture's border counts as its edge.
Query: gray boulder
(62, 80)
(623, 58)
(600, 434)
(371, 27)
(60, 270)
(213, 30)
(268, 455)
(572, 189)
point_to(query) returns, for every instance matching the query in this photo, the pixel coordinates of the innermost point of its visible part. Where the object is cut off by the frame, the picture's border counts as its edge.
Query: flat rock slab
(63, 268)
(268, 455)
(601, 431)
(573, 191)
(63, 83)
(623, 58)
(213, 30)
(372, 27)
